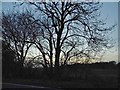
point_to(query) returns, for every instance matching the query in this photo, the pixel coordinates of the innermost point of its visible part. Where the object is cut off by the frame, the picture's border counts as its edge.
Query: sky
(58, 0)
(109, 11)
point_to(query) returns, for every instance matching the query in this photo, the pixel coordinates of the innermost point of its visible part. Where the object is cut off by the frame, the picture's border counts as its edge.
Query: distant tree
(112, 62)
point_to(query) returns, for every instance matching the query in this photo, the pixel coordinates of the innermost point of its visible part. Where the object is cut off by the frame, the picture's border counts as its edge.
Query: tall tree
(69, 30)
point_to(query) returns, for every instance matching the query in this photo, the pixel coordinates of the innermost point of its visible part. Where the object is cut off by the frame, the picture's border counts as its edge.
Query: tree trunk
(20, 68)
(51, 66)
(51, 56)
(57, 55)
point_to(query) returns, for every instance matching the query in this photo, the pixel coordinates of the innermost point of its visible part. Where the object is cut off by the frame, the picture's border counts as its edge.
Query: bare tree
(18, 28)
(70, 30)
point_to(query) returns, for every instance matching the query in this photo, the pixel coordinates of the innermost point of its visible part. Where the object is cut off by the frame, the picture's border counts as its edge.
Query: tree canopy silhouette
(65, 31)
(70, 30)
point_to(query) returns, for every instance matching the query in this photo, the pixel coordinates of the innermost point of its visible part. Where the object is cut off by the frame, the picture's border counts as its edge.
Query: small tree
(18, 28)
(8, 61)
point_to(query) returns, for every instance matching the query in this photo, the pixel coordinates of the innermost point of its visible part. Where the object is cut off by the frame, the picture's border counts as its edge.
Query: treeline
(97, 65)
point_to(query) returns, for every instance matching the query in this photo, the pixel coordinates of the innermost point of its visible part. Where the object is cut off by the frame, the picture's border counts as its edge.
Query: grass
(98, 78)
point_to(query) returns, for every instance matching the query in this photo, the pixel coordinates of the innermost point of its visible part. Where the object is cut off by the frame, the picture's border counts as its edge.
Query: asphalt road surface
(11, 85)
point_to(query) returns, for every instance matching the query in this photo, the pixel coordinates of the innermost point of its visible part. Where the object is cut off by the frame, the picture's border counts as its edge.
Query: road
(12, 85)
